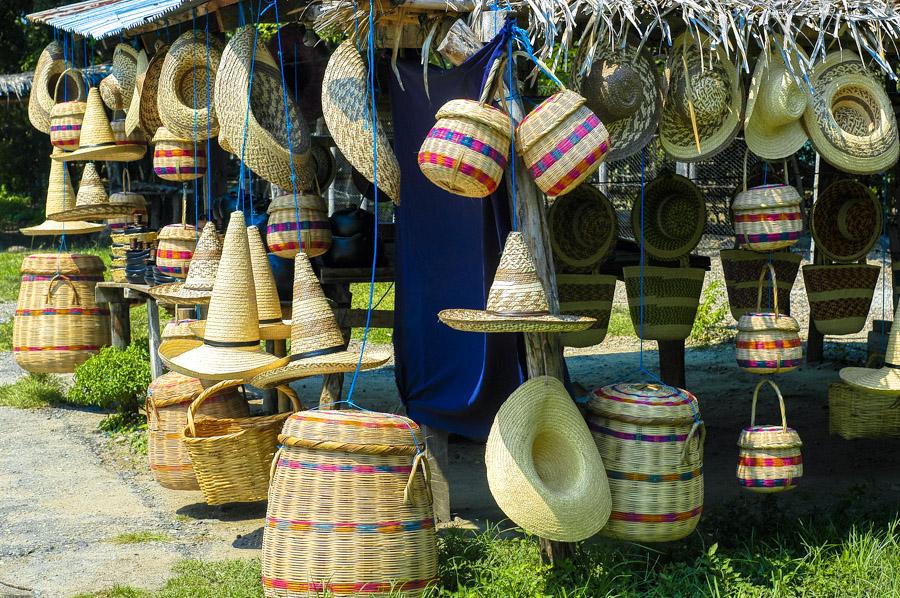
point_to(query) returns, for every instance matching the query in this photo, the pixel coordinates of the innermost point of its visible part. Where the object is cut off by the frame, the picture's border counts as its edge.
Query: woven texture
(186, 80)
(773, 128)
(769, 459)
(855, 413)
(583, 229)
(767, 218)
(314, 237)
(60, 195)
(50, 66)
(587, 295)
(122, 137)
(175, 248)
(66, 117)
(135, 203)
(840, 296)
(674, 216)
(177, 159)
(670, 301)
(768, 342)
(741, 269)
(651, 440)
(364, 524)
(846, 221)
(91, 201)
(117, 87)
(149, 112)
(268, 306)
(197, 286)
(97, 141)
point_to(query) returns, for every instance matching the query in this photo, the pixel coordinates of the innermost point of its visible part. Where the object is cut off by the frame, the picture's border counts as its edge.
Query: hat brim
(100, 211)
(174, 347)
(275, 331)
(52, 227)
(113, 153)
(476, 320)
(884, 381)
(221, 363)
(174, 293)
(334, 363)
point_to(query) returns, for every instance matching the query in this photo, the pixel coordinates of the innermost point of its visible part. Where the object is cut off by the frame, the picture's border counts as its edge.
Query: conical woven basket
(741, 268)
(670, 301)
(840, 295)
(769, 459)
(587, 295)
(768, 342)
(314, 238)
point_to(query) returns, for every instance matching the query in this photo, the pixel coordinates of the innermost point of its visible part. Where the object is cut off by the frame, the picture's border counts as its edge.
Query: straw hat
(180, 337)
(117, 87)
(230, 348)
(197, 287)
(50, 66)
(773, 126)
(516, 302)
(268, 306)
(543, 467)
(846, 221)
(133, 114)
(60, 194)
(704, 104)
(97, 140)
(885, 380)
(344, 104)
(146, 109)
(91, 200)
(622, 88)
(317, 345)
(186, 79)
(674, 216)
(850, 120)
(583, 228)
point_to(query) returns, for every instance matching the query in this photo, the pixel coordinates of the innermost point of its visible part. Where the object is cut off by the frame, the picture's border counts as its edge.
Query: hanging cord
(885, 250)
(512, 133)
(209, 199)
(196, 120)
(243, 167)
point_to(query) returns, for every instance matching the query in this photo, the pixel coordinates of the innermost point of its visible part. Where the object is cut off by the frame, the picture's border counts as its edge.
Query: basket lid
(769, 437)
(178, 232)
(482, 113)
(757, 322)
(545, 116)
(173, 388)
(766, 196)
(68, 109)
(352, 427)
(305, 201)
(69, 264)
(645, 403)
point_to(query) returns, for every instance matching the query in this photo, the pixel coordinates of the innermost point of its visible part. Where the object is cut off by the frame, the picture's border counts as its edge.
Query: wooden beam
(153, 335)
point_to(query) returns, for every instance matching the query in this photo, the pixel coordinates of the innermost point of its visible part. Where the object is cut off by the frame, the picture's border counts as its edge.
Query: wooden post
(333, 384)
(156, 366)
(671, 363)
(438, 461)
(120, 324)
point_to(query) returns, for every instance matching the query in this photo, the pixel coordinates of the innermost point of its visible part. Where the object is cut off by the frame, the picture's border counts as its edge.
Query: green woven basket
(671, 299)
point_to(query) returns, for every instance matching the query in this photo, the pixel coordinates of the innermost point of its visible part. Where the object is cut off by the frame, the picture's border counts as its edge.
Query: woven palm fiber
(651, 440)
(583, 228)
(769, 459)
(146, 238)
(587, 295)
(91, 201)
(117, 87)
(840, 295)
(148, 110)
(767, 218)
(51, 65)
(197, 286)
(186, 80)
(741, 269)
(363, 523)
(181, 336)
(133, 116)
(177, 159)
(268, 305)
(175, 248)
(674, 217)
(96, 141)
(768, 342)
(231, 457)
(168, 399)
(136, 203)
(58, 325)
(857, 413)
(846, 221)
(314, 237)
(65, 118)
(562, 142)
(671, 298)
(136, 137)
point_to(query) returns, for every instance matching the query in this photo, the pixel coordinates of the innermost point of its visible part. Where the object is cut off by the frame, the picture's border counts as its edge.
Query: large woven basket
(769, 459)
(168, 399)
(840, 295)
(363, 523)
(768, 342)
(857, 413)
(583, 229)
(315, 229)
(175, 248)
(671, 297)
(586, 295)
(65, 118)
(177, 159)
(651, 440)
(741, 269)
(767, 218)
(58, 325)
(232, 456)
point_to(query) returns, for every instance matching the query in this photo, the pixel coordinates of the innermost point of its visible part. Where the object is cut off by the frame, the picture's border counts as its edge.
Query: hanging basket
(857, 413)
(670, 301)
(177, 159)
(281, 230)
(768, 342)
(741, 268)
(767, 218)
(137, 136)
(840, 296)
(135, 201)
(769, 459)
(586, 295)
(583, 229)
(175, 248)
(65, 118)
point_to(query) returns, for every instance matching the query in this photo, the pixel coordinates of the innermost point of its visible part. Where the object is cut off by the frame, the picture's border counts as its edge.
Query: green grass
(382, 298)
(620, 322)
(33, 391)
(11, 263)
(6, 333)
(140, 537)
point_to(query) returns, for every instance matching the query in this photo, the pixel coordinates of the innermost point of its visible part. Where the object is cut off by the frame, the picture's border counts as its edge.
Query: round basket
(769, 459)
(768, 342)
(846, 221)
(768, 217)
(58, 324)
(168, 399)
(586, 295)
(65, 118)
(583, 229)
(135, 201)
(187, 78)
(137, 136)
(364, 522)
(281, 230)
(651, 440)
(840, 296)
(857, 413)
(176, 159)
(741, 269)
(670, 302)
(674, 217)
(175, 248)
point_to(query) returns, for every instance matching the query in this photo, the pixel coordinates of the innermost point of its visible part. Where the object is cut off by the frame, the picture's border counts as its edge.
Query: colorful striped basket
(768, 342)
(670, 301)
(281, 230)
(741, 268)
(137, 136)
(769, 459)
(857, 413)
(586, 295)
(176, 159)
(65, 118)
(651, 440)
(168, 399)
(363, 523)
(175, 248)
(58, 325)
(767, 218)
(840, 295)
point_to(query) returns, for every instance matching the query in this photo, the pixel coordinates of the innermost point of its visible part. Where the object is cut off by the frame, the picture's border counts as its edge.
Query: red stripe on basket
(23, 349)
(584, 129)
(42, 278)
(159, 170)
(574, 174)
(767, 217)
(172, 254)
(768, 237)
(640, 437)
(170, 269)
(655, 518)
(178, 153)
(771, 461)
(351, 422)
(779, 344)
(292, 225)
(62, 142)
(366, 469)
(72, 311)
(771, 364)
(65, 128)
(467, 169)
(363, 587)
(182, 467)
(294, 245)
(380, 527)
(473, 144)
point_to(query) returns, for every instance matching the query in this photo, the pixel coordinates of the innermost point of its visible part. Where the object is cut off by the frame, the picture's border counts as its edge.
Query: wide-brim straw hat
(180, 337)
(674, 217)
(117, 87)
(60, 194)
(516, 301)
(50, 66)
(196, 289)
(846, 221)
(704, 103)
(850, 120)
(147, 110)
(187, 79)
(344, 105)
(543, 467)
(133, 113)
(97, 141)
(231, 342)
(317, 344)
(91, 201)
(268, 305)
(885, 380)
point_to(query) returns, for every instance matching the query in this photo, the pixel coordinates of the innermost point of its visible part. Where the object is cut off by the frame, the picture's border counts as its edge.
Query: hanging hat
(146, 109)
(885, 380)
(846, 221)
(230, 348)
(197, 287)
(180, 337)
(622, 88)
(317, 344)
(703, 111)
(117, 87)
(344, 104)
(324, 166)
(188, 76)
(583, 228)
(268, 306)
(543, 467)
(91, 200)
(59, 195)
(97, 141)
(516, 302)
(773, 125)
(850, 119)
(50, 66)
(674, 217)
(133, 113)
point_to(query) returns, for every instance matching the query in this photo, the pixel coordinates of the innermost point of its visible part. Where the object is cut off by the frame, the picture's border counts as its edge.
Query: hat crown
(613, 90)
(783, 101)
(60, 193)
(516, 288)
(709, 97)
(95, 129)
(91, 191)
(205, 260)
(854, 109)
(313, 325)
(267, 303)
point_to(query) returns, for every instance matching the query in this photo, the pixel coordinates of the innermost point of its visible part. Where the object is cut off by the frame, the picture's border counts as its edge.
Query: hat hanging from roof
(850, 120)
(268, 306)
(91, 201)
(846, 221)
(674, 216)
(703, 111)
(51, 65)
(97, 141)
(543, 467)
(516, 301)
(117, 87)
(885, 380)
(344, 104)
(185, 82)
(197, 287)
(230, 348)
(133, 113)
(146, 109)
(60, 194)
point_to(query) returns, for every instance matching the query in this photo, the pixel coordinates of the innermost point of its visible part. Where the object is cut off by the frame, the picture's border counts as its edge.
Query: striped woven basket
(768, 342)
(586, 295)
(651, 440)
(137, 136)
(767, 218)
(840, 295)
(741, 269)
(176, 159)
(670, 301)
(281, 230)
(857, 413)
(168, 399)
(363, 523)
(769, 459)
(65, 118)
(58, 325)
(175, 248)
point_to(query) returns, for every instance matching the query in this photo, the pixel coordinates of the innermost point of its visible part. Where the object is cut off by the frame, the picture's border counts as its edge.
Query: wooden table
(121, 297)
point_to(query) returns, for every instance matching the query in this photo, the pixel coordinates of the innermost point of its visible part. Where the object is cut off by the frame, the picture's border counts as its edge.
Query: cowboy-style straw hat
(197, 287)
(850, 120)
(846, 221)
(230, 348)
(146, 109)
(317, 345)
(704, 105)
(50, 66)
(133, 113)
(59, 195)
(885, 380)
(91, 201)
(97, 141)
(516, 301)
(543, 467)
(117, 87)
(186, 79)
(268, 306)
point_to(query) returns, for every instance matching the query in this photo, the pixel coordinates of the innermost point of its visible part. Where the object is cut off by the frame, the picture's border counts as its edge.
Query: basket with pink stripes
(770, 458)
(309, 214)
(768, 342)
(768, 217)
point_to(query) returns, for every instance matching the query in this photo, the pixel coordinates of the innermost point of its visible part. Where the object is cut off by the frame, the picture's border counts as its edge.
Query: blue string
(512, 135)
(766, 173)
(243, 168)
(242, 20)
(642, 259)
(208, 131)
(196, 123)
(521, 36)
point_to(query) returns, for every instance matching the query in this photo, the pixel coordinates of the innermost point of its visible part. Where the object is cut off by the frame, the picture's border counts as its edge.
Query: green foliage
(6, 333)
(620, 322)
(10, 278)
(17, 210)
(382, 298)
(33, 391)
(711, 314)
(140, 537)
(114, 379)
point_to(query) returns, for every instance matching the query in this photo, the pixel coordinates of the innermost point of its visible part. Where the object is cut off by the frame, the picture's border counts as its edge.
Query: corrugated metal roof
(103, 18)
(19, 84)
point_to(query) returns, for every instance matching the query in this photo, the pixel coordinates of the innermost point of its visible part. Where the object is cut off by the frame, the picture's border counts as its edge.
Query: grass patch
(6, 334)
(620, 322)
(140, 537)
(382, 298)
(33, 391)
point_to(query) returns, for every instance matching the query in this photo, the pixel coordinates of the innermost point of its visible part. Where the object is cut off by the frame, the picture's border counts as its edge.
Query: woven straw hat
(50, 66)
(133, 113)
(773, 125)
(146, 109)
(846, 221)
(317, 345)
(268, 306)
(180, 337)
(704, 104)
(91, 200)
(516, 302)
(674, 216)
(583, 228)
(344, 99)
(850, 120)
(60, 194)
(885, 380)
(197, 287)
(230, 348)
(543, 467)
(187, 75)
(97, 141)
(117, 87)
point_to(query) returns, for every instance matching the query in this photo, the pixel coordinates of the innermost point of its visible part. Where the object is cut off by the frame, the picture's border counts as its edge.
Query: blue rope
(209, 199)
(642, 258)
(512, 135)
(196, 123)
(243, 167)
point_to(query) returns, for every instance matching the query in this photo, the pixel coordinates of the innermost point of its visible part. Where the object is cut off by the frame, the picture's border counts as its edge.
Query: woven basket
(840, 295)
(363, 523)
(58, 325)
(846, 221)
(670, 302)
(137, 136)
(857, 413)
(583, 229)
(651, 440)
(741, 269)
(175, 248)
(176, 159)
(586, 295)
(767, 218)
(768, 342)
(168, 399)
(65, 118)
(136, 201)
(281, 230)
(769, 458)
(670, 217)
(231, 457)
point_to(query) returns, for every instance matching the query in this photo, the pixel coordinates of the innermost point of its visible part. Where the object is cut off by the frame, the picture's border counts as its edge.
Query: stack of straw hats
(91, 201)
(197, 287)
(60, 195)
(97, 141)
(187, 79)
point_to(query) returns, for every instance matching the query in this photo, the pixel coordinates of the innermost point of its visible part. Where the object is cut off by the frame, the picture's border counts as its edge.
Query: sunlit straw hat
(97, 141)
(268, 306)
(117, 87)
(885, 380)
(133, 113)
(186, 76)
(60, 194)
(91, 201)
(50, 66)
(147, 110)
(180, 337)
(197, 287)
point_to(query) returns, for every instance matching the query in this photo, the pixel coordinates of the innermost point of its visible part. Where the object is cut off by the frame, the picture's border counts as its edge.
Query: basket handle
(759, 288)
(698, 433)
(274, 465)
(295, 400)
(780, 403)
(48, 300)
(208, 392)
(60, 78)
(420, 460)
(490, 81)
